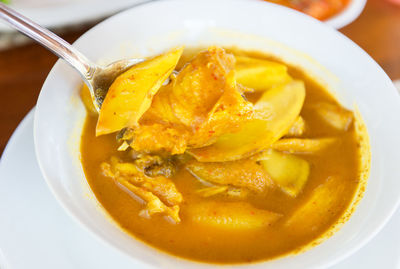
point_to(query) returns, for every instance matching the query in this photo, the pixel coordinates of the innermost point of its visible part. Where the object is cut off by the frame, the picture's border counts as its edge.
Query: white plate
(35, 232)
(60, 13)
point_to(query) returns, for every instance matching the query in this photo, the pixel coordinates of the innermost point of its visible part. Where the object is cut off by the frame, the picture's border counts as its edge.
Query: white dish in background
(61, 13)
(35, 232)
(348, 15)
(326, 54)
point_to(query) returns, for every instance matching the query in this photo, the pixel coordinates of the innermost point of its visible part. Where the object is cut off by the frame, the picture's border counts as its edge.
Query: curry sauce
(294, 225)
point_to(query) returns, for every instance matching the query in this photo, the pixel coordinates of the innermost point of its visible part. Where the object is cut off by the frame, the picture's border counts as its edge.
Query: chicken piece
(275, 112)
(198, 105)
(131, 93)
(334, 115)
(163, 187)
(230, 215)
(260, 75)
(199, 85)
(153, 204)
(325, 199)
(298, 128)
(289, 172)
(158, 138)
(161, 110)
(243, 173)
(230, 111)
(304, 145)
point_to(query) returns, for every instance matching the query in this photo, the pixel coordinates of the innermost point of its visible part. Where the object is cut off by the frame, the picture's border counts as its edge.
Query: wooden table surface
(24, 69)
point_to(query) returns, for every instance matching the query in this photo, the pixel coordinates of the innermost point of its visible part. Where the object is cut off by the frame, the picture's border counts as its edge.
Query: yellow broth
(205, 244)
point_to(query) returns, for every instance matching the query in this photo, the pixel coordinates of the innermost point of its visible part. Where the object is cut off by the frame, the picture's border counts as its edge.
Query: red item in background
(319, 9)
(397, 2)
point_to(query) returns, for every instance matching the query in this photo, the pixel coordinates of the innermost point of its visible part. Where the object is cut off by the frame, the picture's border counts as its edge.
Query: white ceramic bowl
(151, 28)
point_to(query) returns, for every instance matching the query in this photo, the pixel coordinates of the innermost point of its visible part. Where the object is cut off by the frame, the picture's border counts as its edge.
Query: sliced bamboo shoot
(131, 93)
(304, 145)
(298, 128)
(289, 172)
(326, 199)
(230, 216)
(276, 111)
(336, 116)
(260, 75)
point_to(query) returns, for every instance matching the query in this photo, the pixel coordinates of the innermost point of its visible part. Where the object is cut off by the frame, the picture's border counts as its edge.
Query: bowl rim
(74, 216)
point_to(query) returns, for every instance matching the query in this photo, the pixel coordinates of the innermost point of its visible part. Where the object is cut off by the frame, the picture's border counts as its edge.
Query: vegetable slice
(326, 198)
(232, 216)
(276, 111)
(211, 191)
(298, 128)
(336, 116)
(131, 93)
(260, 75)
(289, 172)
(304, 145)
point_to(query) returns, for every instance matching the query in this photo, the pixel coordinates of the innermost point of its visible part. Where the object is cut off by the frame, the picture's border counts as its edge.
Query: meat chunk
(243, 174)
(160, 193)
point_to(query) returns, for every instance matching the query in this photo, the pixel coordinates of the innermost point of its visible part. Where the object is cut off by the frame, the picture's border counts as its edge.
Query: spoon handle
(49, 40)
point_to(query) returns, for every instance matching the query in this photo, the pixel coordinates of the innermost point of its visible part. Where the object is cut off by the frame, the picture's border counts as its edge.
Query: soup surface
(214, 198)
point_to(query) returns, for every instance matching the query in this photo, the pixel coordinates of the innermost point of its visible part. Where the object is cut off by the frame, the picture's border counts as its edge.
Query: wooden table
(24, 69)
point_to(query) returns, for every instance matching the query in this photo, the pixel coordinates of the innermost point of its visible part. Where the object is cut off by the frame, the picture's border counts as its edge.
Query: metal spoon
(98, 78)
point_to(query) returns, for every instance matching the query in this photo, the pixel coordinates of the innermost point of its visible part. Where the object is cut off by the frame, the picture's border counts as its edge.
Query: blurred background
(24, 65)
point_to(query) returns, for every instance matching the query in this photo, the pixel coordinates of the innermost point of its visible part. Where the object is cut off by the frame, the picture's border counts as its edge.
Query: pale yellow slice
(276, 112)
(131, 93)
(230, 215)
(289, 172)
(260, 75)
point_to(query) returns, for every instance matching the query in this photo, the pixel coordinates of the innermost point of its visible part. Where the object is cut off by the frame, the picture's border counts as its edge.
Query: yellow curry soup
(237, 158)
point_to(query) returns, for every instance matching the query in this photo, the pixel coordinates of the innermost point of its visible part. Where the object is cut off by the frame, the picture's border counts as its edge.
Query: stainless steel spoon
(98, 78)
